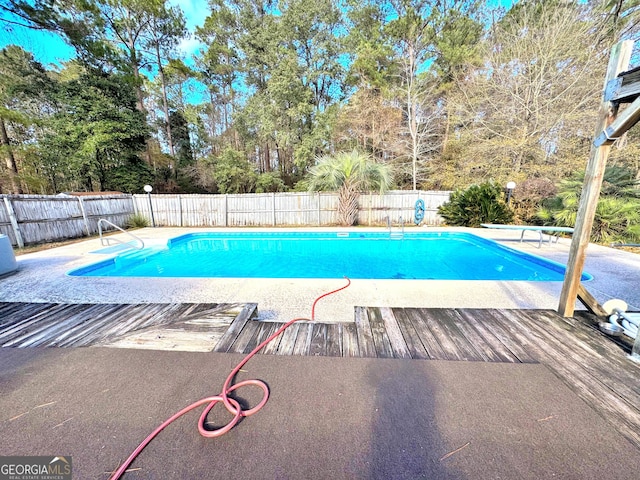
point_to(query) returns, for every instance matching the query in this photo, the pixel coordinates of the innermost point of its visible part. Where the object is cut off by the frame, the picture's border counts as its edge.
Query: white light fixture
(510, 188)
(148, 189)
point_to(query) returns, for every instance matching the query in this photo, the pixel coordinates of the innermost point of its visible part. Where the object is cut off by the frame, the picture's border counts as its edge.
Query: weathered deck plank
(25, 333)
(83, 335)
(288, 340)
(318, 342)
(496, 319)
(396, 339)
(350, 346)
(366, 345)
(265, 330)
(498, 351)
(160, 326)
(482, 347)
(243, 342)
(433, 330)
(420, 324)
(414, 345)
(234, 330)
(334, 337)
(449, 320)
(303, 339)
(271, 348)
(11, 312)
(379, 333)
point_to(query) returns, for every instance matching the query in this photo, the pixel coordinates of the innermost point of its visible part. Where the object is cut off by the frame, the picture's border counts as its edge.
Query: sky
(50, 50)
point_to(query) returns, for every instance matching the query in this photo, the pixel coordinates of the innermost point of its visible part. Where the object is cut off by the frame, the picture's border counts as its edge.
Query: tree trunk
(12, 166)
(412, 114)
(447, 126)
(347, 205)
(139, 95)
(267, 157)
(101, 172)
(165, 102)
(225, 112)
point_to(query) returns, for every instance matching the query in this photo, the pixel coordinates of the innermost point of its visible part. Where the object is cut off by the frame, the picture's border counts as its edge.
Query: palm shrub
(348, 173)
(477, 204)
(617, 215)
(137, 220)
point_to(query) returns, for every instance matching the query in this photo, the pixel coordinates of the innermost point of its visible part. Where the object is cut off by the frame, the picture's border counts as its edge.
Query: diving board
(534, 228)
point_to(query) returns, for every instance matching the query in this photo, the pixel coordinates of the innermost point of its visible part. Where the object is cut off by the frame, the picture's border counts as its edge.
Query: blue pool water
(366, 255)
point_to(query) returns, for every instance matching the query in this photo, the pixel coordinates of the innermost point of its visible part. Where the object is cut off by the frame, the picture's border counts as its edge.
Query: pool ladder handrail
(397, 235)
(106, 240)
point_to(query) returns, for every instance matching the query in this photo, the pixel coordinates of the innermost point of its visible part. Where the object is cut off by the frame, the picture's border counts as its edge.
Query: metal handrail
(117, 240)
(399, 234)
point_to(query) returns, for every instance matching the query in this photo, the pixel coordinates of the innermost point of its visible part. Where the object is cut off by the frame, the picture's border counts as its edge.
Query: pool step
(137, 256)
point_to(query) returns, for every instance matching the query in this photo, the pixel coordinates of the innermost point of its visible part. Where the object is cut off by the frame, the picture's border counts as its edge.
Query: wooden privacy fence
(285, 209)
(30, 219)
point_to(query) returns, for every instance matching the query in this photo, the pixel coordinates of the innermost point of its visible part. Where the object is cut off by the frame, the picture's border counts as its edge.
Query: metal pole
(153, 220)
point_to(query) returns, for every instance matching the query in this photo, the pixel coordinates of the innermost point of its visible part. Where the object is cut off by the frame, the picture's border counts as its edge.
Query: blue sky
(50, 49)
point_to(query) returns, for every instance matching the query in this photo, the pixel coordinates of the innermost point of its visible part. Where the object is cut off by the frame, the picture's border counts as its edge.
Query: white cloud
(195, 11)
(189, 46)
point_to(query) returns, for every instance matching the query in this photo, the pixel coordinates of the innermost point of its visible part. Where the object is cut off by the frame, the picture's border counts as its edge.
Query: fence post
(226, 210)
(14, 222)
(273, 207)
(180, 209)
(319, 218)
(84, 216)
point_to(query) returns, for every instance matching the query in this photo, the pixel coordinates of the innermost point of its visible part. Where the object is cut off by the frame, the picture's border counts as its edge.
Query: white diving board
(534, 228)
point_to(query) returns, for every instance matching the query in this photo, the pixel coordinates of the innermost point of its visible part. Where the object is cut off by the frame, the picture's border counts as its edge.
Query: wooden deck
(594, 366)
(168, 326)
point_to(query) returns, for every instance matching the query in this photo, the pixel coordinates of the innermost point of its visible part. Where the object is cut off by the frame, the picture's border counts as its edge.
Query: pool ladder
(106, 241)
(397, 235)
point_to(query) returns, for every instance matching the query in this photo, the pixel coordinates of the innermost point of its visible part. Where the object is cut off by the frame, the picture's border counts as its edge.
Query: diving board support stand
(590, 302)
(608, 128)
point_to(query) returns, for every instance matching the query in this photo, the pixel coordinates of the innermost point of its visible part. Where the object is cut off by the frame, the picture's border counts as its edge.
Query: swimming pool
(357, 255)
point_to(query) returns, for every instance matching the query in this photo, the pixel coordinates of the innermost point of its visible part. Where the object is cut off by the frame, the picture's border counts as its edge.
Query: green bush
(137, 220)
(477, 204)
(617, 215)
(270, 182)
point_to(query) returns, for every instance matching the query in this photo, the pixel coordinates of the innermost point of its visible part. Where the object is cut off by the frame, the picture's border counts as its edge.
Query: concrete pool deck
(41, 277)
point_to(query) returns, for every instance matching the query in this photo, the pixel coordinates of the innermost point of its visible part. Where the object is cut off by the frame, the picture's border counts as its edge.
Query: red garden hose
(230, 404)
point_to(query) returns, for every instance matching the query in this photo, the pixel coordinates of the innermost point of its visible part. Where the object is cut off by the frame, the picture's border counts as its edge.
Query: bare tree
(419, 139)
(529, 109)
(371, 122)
